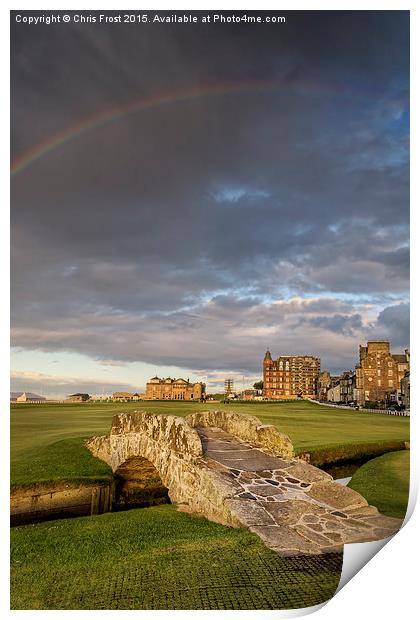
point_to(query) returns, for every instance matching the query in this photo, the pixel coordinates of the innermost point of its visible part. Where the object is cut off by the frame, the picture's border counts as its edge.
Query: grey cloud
(122, 247)
(337, 323)
(223, 333)
(394, 323)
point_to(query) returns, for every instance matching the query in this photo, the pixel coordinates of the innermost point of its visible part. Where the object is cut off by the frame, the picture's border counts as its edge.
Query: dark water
(344, 469)
(49, 515)
(127, 497)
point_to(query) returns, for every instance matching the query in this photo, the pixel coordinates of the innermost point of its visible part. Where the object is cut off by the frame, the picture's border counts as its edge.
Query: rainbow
(140, 105)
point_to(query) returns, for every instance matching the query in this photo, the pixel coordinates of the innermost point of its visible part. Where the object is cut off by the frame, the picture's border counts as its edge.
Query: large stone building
(290, 376)
(174, 389)
(405, 390)
(379, 373)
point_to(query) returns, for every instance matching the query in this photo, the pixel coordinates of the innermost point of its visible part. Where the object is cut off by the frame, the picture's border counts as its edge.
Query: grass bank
(353, 451)
(384, 482)
(64, 460)
(157, 558)
(47, 440)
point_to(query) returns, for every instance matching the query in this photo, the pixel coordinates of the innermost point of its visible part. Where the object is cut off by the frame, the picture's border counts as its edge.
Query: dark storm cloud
(225, 332)
(338, 323)
(160, 233)
(394, 322)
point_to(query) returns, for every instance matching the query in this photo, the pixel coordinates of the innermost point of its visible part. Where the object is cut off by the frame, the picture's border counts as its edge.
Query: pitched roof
(400, 358)
(78, 394)
(30, 395)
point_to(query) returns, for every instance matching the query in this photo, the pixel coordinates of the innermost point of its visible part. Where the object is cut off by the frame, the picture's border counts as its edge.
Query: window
(389, 373)
(391, 383)
(379, 372)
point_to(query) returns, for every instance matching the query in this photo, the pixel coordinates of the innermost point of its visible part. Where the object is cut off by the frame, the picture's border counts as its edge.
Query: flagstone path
(292, 506)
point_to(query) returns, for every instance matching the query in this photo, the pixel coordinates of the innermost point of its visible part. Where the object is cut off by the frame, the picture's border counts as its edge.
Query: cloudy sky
(185, 196)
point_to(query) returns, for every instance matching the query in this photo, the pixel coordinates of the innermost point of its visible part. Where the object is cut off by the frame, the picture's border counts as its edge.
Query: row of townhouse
(379, 377)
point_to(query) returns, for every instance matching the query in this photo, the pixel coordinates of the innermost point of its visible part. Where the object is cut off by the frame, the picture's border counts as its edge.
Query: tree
(259, 385)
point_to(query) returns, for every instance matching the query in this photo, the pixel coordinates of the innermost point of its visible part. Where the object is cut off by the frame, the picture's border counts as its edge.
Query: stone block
(306, 473)
(282, 538)
(249, 512)
(291, 512)
(313, 536)
(335, 495)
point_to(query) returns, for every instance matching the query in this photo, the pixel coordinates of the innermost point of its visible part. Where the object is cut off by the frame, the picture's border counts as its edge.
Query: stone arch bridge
(236, 471)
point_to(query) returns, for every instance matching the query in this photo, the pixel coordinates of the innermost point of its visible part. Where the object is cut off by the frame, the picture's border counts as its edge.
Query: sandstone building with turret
(290, 376)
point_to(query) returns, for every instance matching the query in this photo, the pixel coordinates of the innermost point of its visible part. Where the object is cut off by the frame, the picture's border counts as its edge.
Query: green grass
(66, 459)
(36, 429)
(157, 558)
(384, 482)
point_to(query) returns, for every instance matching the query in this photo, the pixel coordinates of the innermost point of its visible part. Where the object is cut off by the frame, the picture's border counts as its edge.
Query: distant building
(122, 396)
(26, 397)
(334, 392)
(405, 390)
(252, 395)
(323, 385)
(347, 386)
(379, 373)
(290, 376)
(77, 398)
(174, 389)
(101, 397)
(125, 397)
(327, 382)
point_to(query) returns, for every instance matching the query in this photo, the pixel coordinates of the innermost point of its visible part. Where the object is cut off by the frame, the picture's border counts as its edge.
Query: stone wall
(245, 427)
(59, 499)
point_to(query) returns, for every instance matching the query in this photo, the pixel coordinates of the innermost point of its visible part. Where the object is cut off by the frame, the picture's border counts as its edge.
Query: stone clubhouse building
(174, 389)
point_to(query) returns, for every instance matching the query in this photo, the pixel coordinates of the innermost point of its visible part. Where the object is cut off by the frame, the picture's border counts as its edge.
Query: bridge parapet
(247, 428)
(173, 432)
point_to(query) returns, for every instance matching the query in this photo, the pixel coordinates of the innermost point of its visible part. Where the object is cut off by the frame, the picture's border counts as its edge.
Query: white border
(387, 586)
